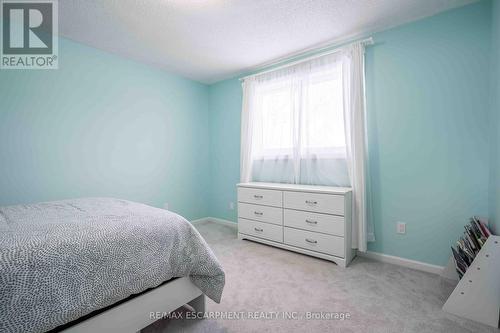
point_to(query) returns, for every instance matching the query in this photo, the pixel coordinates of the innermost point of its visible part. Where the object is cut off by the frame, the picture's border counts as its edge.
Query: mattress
(62, 260)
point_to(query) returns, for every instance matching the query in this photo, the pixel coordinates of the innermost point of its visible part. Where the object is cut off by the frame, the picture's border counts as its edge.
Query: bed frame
(135, 314)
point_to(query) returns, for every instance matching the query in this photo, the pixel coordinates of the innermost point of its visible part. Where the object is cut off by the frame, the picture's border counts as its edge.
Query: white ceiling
(210, 40)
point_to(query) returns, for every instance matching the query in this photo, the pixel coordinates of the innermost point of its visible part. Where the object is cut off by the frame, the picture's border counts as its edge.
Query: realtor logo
(29, 34)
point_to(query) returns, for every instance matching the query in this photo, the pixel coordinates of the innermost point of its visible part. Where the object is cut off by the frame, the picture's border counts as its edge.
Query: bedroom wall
(428, 112)
(428, 105)
(102, 125)
(495, 121)
(225, 107)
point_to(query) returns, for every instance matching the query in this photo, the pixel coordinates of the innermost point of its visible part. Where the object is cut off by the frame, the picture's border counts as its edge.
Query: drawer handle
(258, 213)
(312, 241)
(258, 196)
(312, 203)
(312, 222)
(258, 229)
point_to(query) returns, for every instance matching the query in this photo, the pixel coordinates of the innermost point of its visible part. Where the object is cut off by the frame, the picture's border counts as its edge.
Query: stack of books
(468, 246)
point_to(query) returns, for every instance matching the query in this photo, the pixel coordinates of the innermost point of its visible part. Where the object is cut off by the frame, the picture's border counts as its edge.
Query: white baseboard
(227, 223)
(418, 265)
(198, 221)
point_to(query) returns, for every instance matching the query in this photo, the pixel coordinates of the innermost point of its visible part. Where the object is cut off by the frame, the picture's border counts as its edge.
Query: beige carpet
(378, 297)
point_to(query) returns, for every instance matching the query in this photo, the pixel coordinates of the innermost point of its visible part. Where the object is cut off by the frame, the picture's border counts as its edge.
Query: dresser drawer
(262, 230)
(260, 197)
(314, 202)
(260, 213)
(313, 241)
(328, 224)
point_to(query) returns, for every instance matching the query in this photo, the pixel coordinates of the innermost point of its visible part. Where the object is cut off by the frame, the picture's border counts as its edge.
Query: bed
(99, 264)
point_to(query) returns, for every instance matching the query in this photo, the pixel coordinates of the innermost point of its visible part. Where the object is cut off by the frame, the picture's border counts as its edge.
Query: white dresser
(313, 220)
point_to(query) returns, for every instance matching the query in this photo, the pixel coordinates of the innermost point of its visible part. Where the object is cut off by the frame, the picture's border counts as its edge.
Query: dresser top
(297, 187)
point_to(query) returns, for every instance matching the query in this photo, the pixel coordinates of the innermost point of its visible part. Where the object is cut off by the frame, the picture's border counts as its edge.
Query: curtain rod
(366, 41)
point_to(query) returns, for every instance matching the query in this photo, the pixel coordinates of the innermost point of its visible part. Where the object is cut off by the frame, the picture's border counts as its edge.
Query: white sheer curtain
(305, 124)
(356, 142)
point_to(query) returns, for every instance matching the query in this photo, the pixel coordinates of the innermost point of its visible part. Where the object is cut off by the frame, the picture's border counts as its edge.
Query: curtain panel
(306, 124)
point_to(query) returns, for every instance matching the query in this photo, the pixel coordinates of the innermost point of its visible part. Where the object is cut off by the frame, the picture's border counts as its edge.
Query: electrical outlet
(165, 205)
(231, 205)
(401, 228)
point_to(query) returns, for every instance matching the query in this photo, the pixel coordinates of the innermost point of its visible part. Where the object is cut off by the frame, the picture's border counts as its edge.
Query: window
(305, 124)
(300, 115)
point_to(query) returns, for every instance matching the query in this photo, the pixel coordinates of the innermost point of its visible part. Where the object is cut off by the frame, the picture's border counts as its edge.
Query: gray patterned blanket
(62, 260)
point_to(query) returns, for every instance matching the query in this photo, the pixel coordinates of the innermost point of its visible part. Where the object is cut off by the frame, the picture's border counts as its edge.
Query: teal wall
(428, 106)
(102, 125)
(495, 121)
(225, 122)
